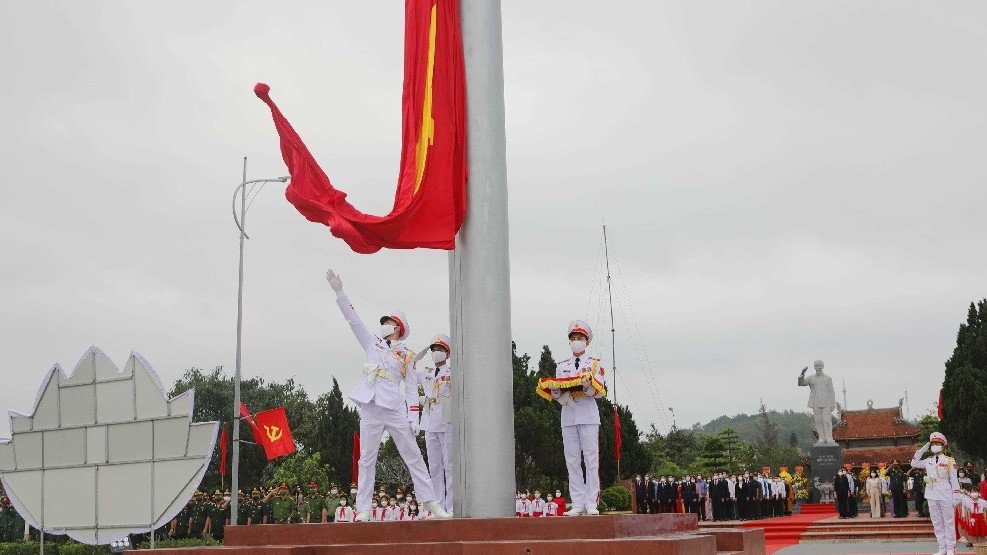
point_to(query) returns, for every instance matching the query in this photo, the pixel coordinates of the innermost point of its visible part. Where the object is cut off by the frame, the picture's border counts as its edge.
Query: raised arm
(363, 335)
(802, 381)
(917, 461)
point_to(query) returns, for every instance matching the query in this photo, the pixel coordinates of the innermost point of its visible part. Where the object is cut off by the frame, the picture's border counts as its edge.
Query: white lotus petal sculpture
(105, 453)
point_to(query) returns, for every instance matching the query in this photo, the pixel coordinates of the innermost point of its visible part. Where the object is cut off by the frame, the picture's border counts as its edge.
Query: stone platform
(662, 534)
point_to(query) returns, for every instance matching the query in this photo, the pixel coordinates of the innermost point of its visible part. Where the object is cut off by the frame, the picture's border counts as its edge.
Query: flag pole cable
(613, 338)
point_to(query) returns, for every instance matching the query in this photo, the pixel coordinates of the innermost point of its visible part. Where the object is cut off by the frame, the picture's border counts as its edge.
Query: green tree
(767, 430)
(793, 440)
(336, 423)
(214, 401)
(732, 449)
(714, 454)
(300, 469)
(928, 424)
(964, 388)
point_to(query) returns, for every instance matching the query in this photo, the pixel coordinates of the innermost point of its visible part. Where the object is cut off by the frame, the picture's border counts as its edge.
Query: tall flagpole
(479, 284)
(613, 331)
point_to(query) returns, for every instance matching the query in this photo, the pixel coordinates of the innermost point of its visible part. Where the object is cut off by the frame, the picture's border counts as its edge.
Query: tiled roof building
(875, 435)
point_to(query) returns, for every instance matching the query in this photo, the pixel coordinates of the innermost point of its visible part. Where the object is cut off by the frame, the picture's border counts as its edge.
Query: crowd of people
(747, 496)
(204, 516)
(527, 504)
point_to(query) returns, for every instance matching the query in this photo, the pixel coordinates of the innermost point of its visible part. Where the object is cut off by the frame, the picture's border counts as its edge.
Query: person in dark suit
(898, 482)
(841, 487)
(654, 488)
(666, 495)
(689, 495)
(641, 494)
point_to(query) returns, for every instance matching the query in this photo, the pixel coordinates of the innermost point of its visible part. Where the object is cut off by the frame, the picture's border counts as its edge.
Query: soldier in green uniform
(316, 505)
(283, 505)
(331, 501)
(255, 508)
(243, 514)
(918, 493)
(268, 503)
(179, 524)
(6, 519)
(199, 516)
(218, 513)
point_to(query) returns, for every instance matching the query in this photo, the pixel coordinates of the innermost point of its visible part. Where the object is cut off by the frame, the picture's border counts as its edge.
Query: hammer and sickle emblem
(273, 432)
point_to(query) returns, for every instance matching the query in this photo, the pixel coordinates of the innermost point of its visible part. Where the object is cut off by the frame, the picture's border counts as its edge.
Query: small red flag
(222, 452)
(356, 457)
(939, 406)
(618, 442)
(273, 433)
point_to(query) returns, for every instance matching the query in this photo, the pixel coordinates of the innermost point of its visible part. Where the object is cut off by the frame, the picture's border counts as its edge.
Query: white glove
(226, 498)
(334, 281)
(414, 427)
(566, 400)
(924, 448)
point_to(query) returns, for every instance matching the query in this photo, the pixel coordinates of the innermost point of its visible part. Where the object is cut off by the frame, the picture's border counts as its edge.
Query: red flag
(245, 413)
(222, 452)
(430, 201)
(939, 406)
(273, 433)
(356, 457)
(618, 442)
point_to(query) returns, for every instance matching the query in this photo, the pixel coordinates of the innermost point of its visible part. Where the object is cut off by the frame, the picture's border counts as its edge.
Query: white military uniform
(383, 407)
(941, 489)
(581, 425)
(436, 422)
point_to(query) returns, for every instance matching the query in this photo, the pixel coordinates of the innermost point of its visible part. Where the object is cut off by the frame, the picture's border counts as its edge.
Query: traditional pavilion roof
(873, 423)
(876, 455)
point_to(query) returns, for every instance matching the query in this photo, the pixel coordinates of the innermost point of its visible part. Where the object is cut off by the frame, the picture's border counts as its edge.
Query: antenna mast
(613, 338)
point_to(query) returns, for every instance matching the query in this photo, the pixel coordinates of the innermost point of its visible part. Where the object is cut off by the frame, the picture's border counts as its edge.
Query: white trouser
(944, 522)
(583, 439)
(439, 448)
(374, 420)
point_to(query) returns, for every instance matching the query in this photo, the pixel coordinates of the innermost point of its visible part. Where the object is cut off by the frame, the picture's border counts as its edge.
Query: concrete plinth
(665, 534)
(826, 461)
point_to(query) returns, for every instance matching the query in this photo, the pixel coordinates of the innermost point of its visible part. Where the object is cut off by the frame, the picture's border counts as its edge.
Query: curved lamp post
(241, 192)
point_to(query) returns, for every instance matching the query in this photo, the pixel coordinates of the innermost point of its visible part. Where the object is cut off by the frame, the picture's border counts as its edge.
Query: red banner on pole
(618, 442)
(430, 201)
(939, 406)
(222, 452)
(356, 457)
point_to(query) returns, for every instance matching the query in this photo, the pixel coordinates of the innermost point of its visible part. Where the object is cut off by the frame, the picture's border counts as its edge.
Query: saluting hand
(804, 370)
(334, 281)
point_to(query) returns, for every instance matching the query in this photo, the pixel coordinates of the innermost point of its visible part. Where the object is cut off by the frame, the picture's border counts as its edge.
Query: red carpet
(784, 531)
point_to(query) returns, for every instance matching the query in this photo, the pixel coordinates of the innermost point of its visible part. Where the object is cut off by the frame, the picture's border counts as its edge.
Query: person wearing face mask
(435, 377)
(841, 487)
(974, 509)
(896, 483)
(640, 495)
(392, 512)
(381, 404)
(560, 503)
(583, 379)
(344, 513)
(941, 491)
(873, 487)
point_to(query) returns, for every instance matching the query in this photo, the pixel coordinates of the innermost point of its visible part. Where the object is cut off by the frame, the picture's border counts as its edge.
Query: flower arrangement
(801, 485)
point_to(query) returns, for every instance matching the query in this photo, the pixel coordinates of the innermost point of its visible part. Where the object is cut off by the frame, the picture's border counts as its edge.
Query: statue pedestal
(826, 461)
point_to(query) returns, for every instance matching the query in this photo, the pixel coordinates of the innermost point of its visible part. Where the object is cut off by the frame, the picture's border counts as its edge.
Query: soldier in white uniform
(435, 377)
(382, 406)
(581, 420)
(942, 490)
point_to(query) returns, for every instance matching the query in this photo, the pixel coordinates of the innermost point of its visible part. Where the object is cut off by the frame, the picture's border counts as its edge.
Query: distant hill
(746, 426)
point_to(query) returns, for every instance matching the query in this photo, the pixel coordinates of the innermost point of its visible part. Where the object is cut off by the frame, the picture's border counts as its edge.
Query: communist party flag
(271, 431)
(275, 435)
(430, 202)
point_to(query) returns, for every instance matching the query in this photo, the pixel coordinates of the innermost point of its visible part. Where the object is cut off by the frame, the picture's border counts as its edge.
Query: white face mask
(439, 356)
(937, 449)
(334, 491)
(342, 502)
(578, 346)
(387, 329)
(975, 495)
(353, 491)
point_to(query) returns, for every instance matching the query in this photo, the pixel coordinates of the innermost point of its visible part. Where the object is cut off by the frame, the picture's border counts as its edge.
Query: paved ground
(873, 548)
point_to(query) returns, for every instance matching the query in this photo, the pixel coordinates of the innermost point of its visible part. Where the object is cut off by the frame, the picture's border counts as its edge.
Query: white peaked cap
(937, 436)
(442, 339)
(581, 327)
(404, 328)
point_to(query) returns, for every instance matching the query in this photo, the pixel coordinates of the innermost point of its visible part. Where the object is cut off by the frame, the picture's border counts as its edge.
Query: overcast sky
(781, 181)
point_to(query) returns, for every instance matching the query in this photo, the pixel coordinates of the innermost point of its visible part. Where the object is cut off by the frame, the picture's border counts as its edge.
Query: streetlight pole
(241, 223)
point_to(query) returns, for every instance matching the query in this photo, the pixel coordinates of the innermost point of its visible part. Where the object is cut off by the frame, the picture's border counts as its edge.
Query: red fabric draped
(222, 452)
(618, 442)
(356, 457)
(430, 202)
